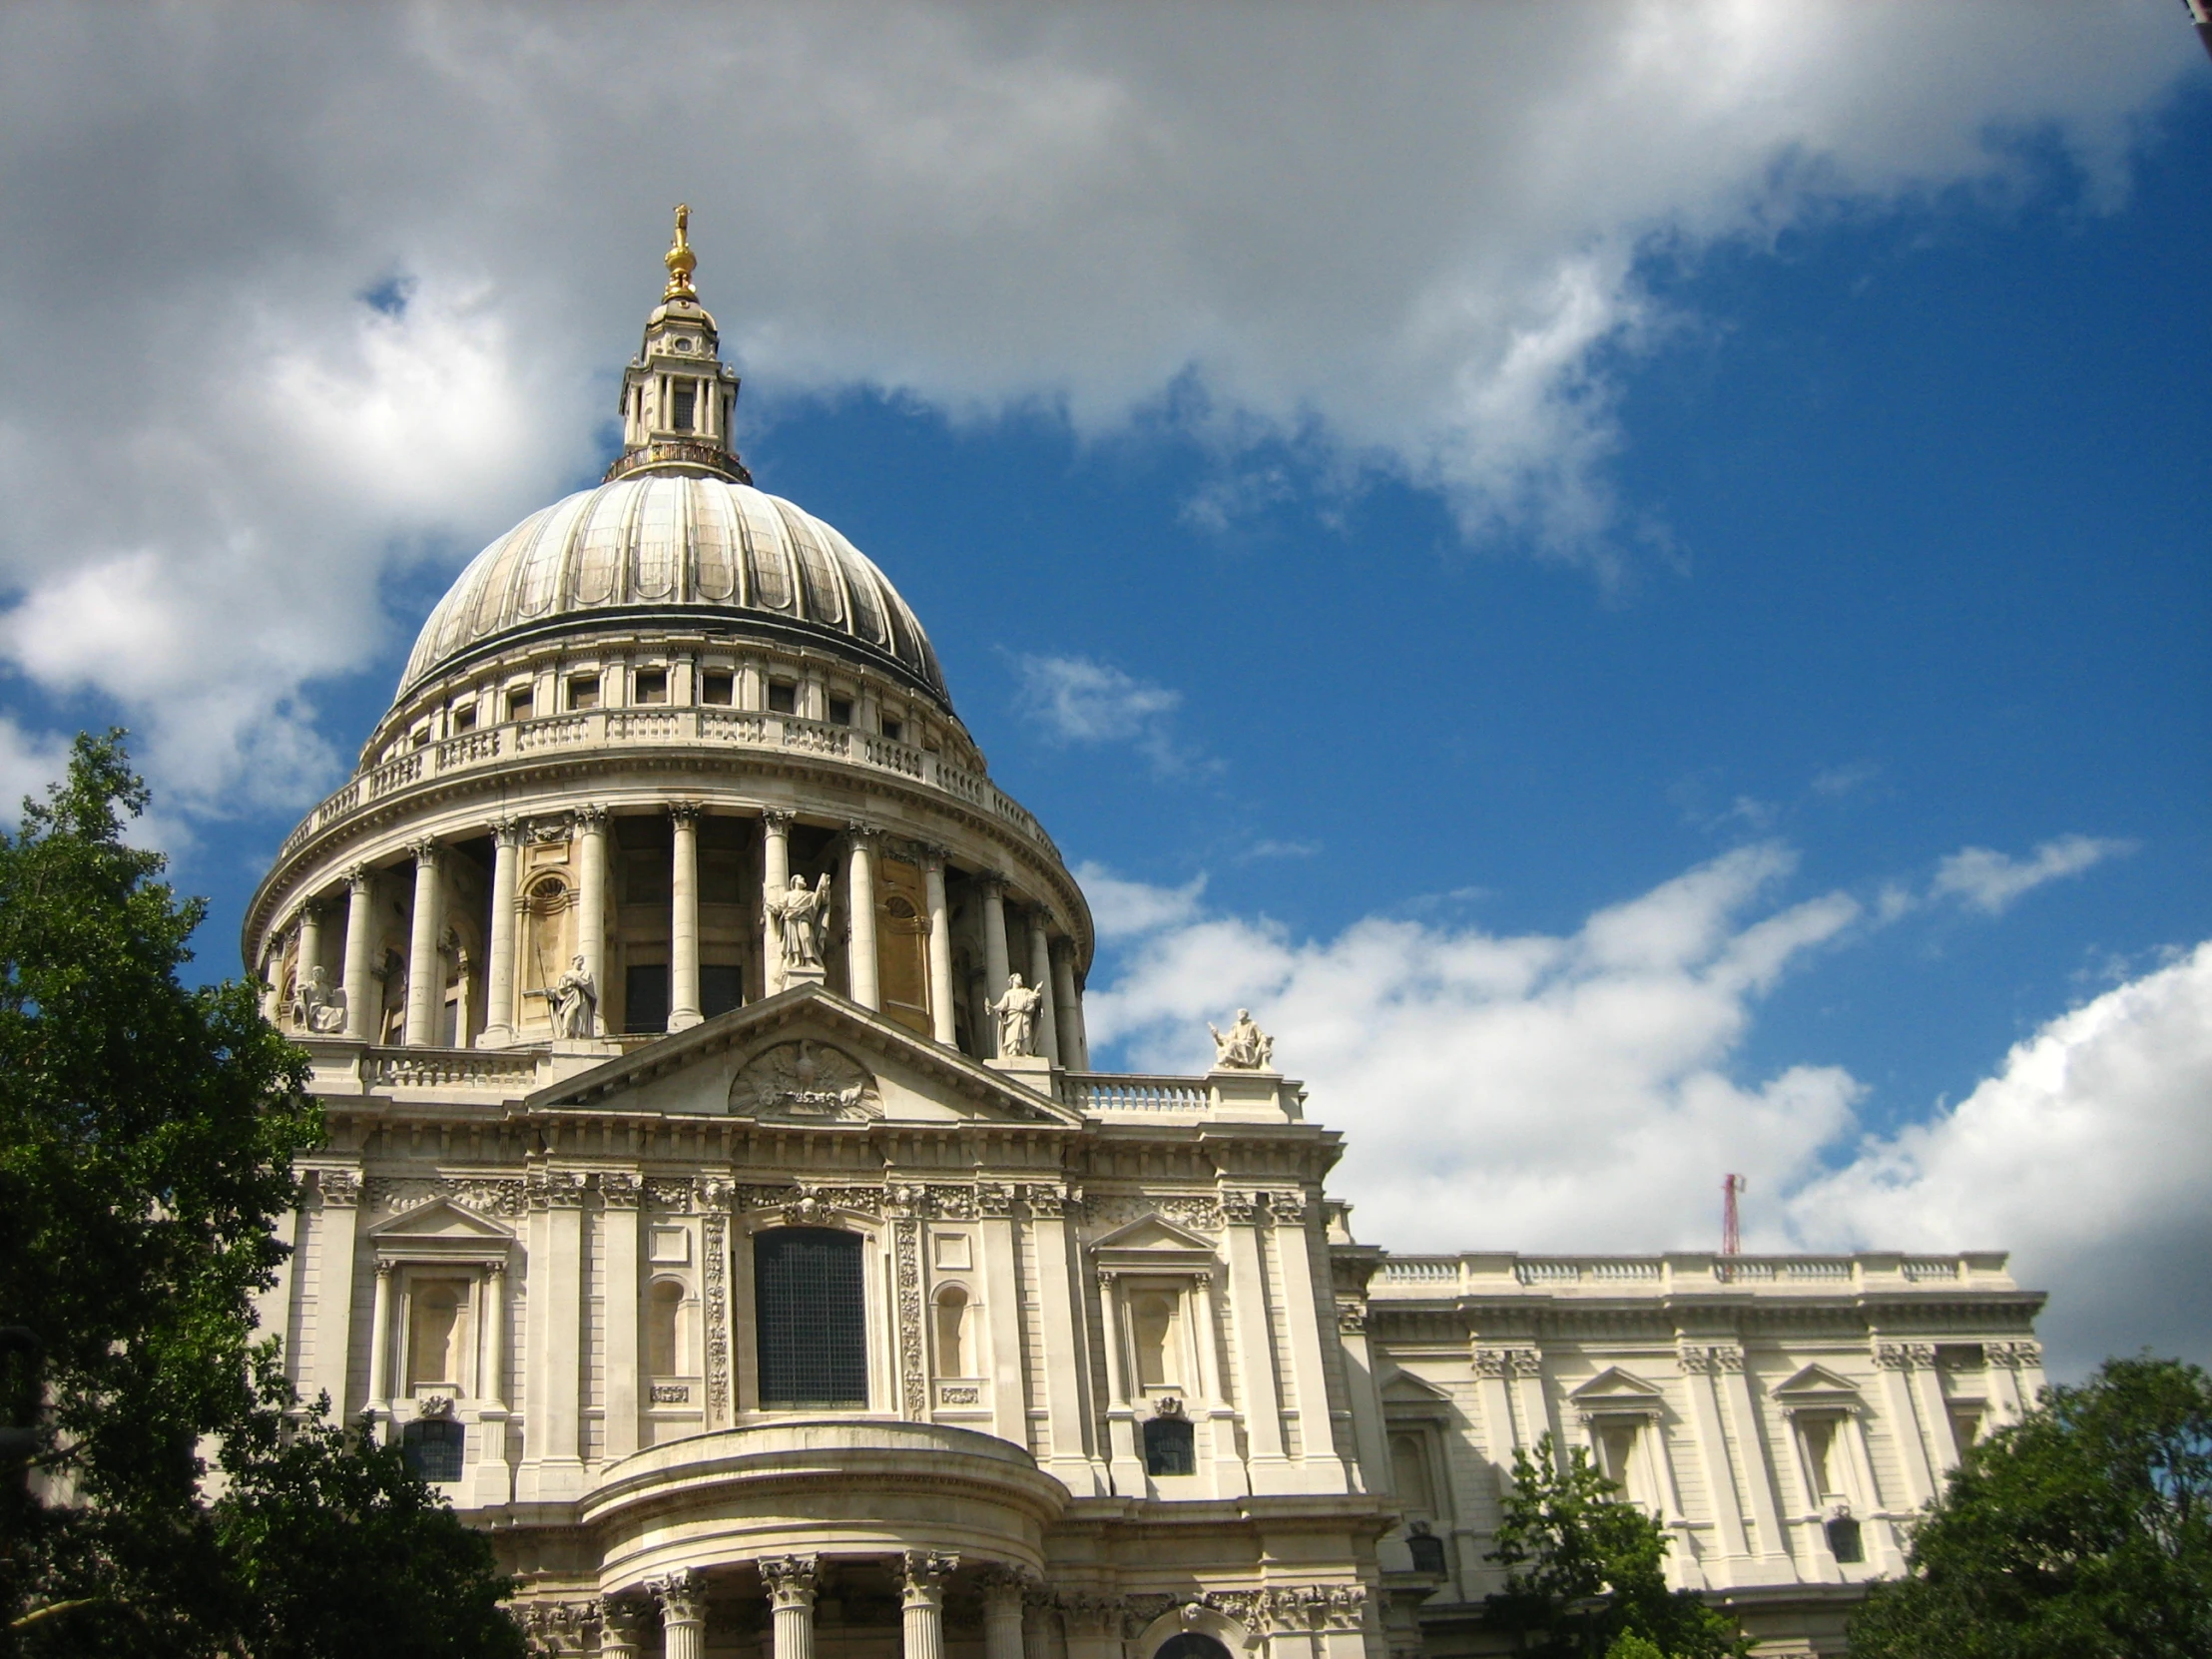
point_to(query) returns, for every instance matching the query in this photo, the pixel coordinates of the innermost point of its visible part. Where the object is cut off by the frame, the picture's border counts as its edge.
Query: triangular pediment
(1153, 1232)
(806, 1058)
(1615, 1383)
(440, 1219)
(1408, 1392)
(1817, 1383)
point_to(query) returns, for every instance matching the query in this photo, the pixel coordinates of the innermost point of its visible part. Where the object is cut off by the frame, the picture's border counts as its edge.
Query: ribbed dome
(675, 550)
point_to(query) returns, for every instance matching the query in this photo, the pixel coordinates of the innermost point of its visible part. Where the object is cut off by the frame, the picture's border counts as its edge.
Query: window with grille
(432, 1447)
(1170, 1446)
(810, 1322)
(1189, 1644)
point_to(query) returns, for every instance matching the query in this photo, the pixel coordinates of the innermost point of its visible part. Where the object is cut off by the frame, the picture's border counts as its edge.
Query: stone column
(334, 1232)
(623, 1218)
(940, 947)
(1002, 1590)
(360, 921)
(922, 1603)
(683, 925)
(1329, 1465)
(1253, 1344)
(791, 1581)
(495, 1385)
(380, 1343)
(682, 1599)
(1065, 1384)
(311, 937)
(425, 972)
(1721, 1492)
(776, 875)
(1125, 1459)
(995, 966)
(591, 904)
(1040, 976)
(1894, 1360)
(499, 991)
(1063, 1006)
(860, 898)
(623, 1620)
(553, 1417)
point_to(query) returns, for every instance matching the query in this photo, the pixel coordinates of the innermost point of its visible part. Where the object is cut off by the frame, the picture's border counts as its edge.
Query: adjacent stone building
(720, 1208)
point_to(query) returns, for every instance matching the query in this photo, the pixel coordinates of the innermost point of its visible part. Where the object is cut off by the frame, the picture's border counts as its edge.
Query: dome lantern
(679, 399)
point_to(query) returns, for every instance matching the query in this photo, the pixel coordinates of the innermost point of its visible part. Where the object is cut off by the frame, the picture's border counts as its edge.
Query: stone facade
(720, 1207)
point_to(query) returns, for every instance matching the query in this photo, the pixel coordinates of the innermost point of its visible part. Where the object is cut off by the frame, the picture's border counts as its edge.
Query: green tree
(1586, 1571)
(2083, 1530)
(146, 1138)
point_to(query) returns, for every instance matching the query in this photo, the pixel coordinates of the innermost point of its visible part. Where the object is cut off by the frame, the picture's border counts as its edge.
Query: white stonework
(1105, 1368)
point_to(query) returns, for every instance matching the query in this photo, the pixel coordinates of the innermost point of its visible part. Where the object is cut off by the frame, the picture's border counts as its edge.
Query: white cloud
(1989, 881)
(1077, 699)
(1405, 240)
(2088, 1155)
(29, 762)
(1127, 909)
(1584, 1093)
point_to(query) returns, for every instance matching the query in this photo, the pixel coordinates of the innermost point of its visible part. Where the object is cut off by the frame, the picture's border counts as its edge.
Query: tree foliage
(146, 1138)
(2083, 1530)
(1586, 1570)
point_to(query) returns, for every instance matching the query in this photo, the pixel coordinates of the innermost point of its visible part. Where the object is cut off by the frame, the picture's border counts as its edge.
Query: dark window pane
(1170, 1446)
(645, 997)
(809, 1319)
(683, 407)
(718, 687)
(1429, 1552)
(1190, 1644)
(1842, 1540)
(783, 696)
(432, 1447)
(719, 989)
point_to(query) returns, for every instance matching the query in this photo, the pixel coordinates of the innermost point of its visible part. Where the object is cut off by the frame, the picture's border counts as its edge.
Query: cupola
(679, 399)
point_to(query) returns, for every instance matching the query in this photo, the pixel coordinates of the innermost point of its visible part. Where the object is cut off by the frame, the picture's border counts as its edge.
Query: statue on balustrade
(800, 913)
(575, 1000)
(1017, 1017)
(316, 1008)
(1245, 1048)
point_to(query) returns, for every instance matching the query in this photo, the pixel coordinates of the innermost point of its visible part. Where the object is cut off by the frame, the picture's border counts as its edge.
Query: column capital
(933, 855)
(426, 851)
(508, 832)
(625, 1616)
(591, 817)
(384, 1266)
(685, 812)
(774, 818)
(314, 907)
(922, 1574)
(790, 1579)
(991, 883)
(496, 1266)
(682, 1595)
(357, 878)
(862, 832)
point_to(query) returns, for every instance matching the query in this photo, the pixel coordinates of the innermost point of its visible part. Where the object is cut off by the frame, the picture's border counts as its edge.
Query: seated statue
(1245, 1047)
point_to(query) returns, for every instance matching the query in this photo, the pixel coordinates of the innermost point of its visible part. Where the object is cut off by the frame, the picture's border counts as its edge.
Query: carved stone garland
(907, 1233)
(718, 1320)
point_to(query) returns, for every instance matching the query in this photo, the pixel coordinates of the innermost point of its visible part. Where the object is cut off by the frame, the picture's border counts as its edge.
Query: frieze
(717, 1322)
(2013, 1355)
(1351, 1318)
(1710, 1358)
(662, 1193)
(1498, 1363)
(1288, 1207)
(559, 1189)
(1904, 1356)
(1197, 1214)
(672, 1394)
(558, 1627)
(994, 1199)
(397, 1195)
(807, 1205)
(619, 1190)
(340, 1189)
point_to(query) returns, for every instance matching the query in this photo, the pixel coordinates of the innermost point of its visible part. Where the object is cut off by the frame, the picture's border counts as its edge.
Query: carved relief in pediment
(805, 1080)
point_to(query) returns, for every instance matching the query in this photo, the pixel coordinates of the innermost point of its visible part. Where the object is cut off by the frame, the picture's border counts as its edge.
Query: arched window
(954, 1353)
(663, 1330)
(432, 1447)
(1154, 1323)
(1190, 1645)
(434, 1333)
(809, 1319)
(1844, 1541)
(1170, 1446)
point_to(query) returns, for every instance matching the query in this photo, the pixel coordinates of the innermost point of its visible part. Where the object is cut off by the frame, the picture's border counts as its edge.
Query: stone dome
(675, 549)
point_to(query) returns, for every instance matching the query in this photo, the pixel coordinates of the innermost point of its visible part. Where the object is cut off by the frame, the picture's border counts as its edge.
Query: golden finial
(678, 258)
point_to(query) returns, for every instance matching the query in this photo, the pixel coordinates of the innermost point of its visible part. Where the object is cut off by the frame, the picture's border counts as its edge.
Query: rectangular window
(685, 399)
(519, 704)
(1844, 1541)
(433, 1447)
(718, 687)
(1170, 1446)
(645, 998)
(652, 685)
(1818, 1434)
(811, 1320)
(720, 988)
(894, 730)
(463, 718)
(583, 691)
(419, 736)
(783, 696)
(840, 711)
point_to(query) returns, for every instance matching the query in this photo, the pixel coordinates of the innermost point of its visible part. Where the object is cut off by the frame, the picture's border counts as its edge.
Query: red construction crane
(1732, 1230)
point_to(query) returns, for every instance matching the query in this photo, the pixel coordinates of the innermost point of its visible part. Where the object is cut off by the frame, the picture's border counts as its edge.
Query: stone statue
(799, 912)
(316, 1008)
(575, 1000)
(1245, 1048)
(1017, 1017)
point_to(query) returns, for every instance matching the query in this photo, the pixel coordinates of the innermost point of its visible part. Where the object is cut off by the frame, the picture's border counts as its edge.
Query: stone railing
(650, 727)
(468, 1069)
(1106, 1092)
(1484, 1272)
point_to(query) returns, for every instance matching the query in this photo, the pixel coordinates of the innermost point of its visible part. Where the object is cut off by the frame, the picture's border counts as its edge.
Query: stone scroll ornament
(1244, 1047)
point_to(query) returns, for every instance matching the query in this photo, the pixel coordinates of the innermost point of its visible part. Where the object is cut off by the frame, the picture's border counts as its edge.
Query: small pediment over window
(1615, 1386)
(442, 1218)
(1405, 1396)
(1815, 1387)
(1152, 1243)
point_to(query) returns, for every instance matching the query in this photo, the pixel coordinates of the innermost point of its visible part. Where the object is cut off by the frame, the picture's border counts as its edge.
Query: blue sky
(1646, 640)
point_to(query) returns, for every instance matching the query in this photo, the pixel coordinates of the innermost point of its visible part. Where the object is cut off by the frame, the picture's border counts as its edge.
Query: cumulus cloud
(2088, 1154)
(293, 297)
(1989, 881)
(1586, 1091)
(1077, 700)
(1126, 909)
